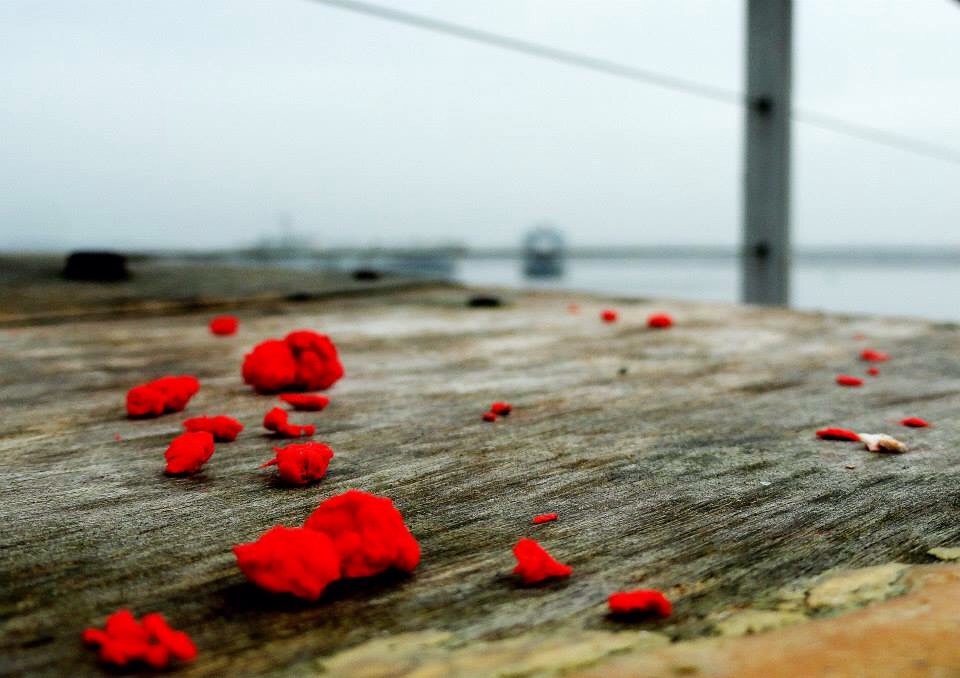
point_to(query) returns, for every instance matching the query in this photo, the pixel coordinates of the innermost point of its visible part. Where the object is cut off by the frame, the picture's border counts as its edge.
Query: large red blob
(304, 360)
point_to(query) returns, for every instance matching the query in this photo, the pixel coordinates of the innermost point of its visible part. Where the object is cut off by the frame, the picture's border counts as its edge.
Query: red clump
(276, 420)
(659, 320)
(224, 429)
(290, 560)
(367, 531)
(873, 371)
(834, 433)
(306, 402)
(166, 394)
(849, 380)
(188, 452)
(915, 422)
(302, 361)
(224, 325)
(301, 463)
(608, 315)
(874, 356)
(543, 518)
(123, 640)
(534, 564)
(489, 415)
(646, 602)
(501, 408)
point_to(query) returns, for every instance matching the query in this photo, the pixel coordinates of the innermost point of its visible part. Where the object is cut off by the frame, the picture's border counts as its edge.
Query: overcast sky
(183, 123)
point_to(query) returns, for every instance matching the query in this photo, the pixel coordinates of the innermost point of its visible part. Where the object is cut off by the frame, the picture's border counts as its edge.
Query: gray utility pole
(765, 259)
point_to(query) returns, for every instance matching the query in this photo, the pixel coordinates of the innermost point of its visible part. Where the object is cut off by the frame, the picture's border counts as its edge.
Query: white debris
(881, 442)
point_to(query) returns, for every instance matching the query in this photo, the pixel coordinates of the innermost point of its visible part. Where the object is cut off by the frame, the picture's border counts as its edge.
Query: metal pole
(765, 257)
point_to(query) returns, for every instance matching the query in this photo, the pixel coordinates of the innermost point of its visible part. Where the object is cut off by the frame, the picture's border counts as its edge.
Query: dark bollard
(96, 266)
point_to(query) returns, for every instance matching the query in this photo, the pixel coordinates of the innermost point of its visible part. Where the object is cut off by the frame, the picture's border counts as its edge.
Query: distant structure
(543, 252)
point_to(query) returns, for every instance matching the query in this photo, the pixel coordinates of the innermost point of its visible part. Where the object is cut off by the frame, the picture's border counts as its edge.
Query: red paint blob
(224, 325)
(306, 402)
(534, 564)
(489, 415)
(276, 420)
(646, 602)
(301, 463)
(659, 320)
(874, 356)
(224, 429)
(608, 315)
(501, 408)
(368, 532)
(123, 640)
(873, 371)
(166, 394)
(304, 360)
(914, 422)
(849, 380)
(543, 518)
(833, 433)
(188, 452)
(290, 560)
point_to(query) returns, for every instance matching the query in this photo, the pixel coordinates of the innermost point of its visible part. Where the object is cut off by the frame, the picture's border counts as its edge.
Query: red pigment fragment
(646, 602)
(116, 437)
(302, 361)
(224, 429)
(489, 415)
(873, 371)
(276, 420)
(573, 308)
(534, 564)
(608, 315)
(188, 452)
(368, 532)
(873, 355)
(301, 463)
(224, 325)
(833, 433)
(915, 422)
(659, 320)
(290, 560)
(500, 407)
(543, 518)
(123, 640)
(306, 402)
(166, 394)
(849, 380)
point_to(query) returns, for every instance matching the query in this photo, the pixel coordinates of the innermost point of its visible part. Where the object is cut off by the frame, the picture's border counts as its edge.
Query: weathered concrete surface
(695, 472)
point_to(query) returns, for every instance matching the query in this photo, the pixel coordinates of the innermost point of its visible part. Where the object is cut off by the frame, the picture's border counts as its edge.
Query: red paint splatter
(534, 564)
(290, 560)
(306, 402)
(859, 336)
(116, 437)
(489, 415)
(224, 429)
(543, 518)
(123, 640)
(302, 361)
(849, 380)
(276, 420)
(873, 371)
(659, 320)
(368, 532)
(874, 356)
(914, 422)
(301, 463)
(166, 394)
(573, 308)
(501, 408)
(645, 602)
(224, 325)
(608, 315)
(834, 433)
(188, 452)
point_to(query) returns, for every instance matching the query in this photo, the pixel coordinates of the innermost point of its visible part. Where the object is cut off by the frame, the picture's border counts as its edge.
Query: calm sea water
(930, 290)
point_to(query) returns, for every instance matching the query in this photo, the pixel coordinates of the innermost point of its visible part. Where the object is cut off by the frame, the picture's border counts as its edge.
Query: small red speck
(873, 355)
(123, 640)
(535, 564)
(543, 518)
(833, 433)
(859, 336)
(224, 325)
(489, 415)
(301, 463)
(188, 452)
(116, 437)
(608, 315)
(659, 320)
(640, 602)
(306, 402)
(573, 308)
(873, 371)
(501, 408)
(276, 420)
(915, 422)
(849, 380)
